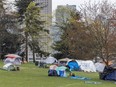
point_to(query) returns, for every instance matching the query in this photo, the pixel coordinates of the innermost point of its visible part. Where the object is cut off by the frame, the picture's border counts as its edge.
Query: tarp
(87, 66)
(50, 60)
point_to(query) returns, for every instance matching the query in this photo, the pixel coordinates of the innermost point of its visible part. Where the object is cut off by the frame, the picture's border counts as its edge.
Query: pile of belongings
(61, 71)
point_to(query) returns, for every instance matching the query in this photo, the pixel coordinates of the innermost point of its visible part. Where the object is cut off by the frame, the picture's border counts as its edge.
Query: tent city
(58, 43)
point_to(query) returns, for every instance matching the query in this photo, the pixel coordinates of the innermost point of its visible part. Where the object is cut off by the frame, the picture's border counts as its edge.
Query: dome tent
(87, 66)
(63, 61)
(109, 73)
(12, 62)
(99, 66)
(15, 61)
(50, 60)
(9, 67)
(13, 58)
(73, 65)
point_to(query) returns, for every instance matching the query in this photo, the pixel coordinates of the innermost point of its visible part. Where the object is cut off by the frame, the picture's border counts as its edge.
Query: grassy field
(32, 76)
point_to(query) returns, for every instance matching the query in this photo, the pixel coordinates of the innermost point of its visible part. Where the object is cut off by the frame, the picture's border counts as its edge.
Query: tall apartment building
(46, 11)
(45, 38)
(61, 15)
(63, 12)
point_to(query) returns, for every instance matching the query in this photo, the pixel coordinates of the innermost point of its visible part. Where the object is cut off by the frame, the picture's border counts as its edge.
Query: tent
(14, 61)
(87, 66)
(109, 73)
(50, 60)
(9, 67)
(12, 56)
(63, 61)
(99, 67)
(73, 65)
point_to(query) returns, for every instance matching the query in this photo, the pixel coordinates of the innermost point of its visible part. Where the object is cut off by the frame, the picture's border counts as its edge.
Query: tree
(24, 12)
(75, 41)
(70, 25)
(34, 26)
(21, 8)
(9, 40)
(98, 17)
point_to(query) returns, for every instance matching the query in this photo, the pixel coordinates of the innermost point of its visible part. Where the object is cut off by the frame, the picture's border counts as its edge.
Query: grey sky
(70, 2)
(73, 2)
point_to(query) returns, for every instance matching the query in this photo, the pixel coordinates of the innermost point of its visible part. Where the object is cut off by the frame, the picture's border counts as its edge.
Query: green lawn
(32, 76)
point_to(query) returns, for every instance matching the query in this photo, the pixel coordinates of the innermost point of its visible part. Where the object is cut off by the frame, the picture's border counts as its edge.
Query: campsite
(32, 76)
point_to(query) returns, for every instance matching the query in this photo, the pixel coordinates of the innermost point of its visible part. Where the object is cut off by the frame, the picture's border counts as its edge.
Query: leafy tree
(98, 17)
(26, 15)
(66, 17)
(21, 8)
(9, 40)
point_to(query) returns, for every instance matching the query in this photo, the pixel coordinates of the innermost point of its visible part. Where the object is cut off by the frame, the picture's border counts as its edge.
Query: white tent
(99, 67)
(50, 60)
(9, 67)
(87, 66)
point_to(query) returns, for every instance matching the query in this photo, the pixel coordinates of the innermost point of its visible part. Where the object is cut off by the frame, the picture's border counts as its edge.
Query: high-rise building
(63, 12)
(61, 15)
(46, 11)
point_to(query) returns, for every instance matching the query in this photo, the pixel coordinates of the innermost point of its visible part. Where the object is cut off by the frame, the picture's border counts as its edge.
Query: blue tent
(111, 76)
(109, 73)
(73, 65)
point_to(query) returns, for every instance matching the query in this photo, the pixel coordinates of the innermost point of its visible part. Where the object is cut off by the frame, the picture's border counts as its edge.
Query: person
(18, 68)
(68, 70)
(73, 74)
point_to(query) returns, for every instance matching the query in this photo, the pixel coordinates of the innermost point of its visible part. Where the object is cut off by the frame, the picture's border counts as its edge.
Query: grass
(32, 76)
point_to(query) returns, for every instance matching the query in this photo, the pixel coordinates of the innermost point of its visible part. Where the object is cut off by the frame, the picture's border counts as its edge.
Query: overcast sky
(71, 2)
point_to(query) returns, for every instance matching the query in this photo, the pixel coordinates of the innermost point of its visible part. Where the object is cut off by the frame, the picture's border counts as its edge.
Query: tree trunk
(26, 48)
(33, 54)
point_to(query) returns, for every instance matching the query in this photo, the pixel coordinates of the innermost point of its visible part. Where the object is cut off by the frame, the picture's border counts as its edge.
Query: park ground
(33, 76)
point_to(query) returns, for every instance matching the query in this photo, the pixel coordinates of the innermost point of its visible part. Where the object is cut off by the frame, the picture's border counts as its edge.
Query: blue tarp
(79, 77)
